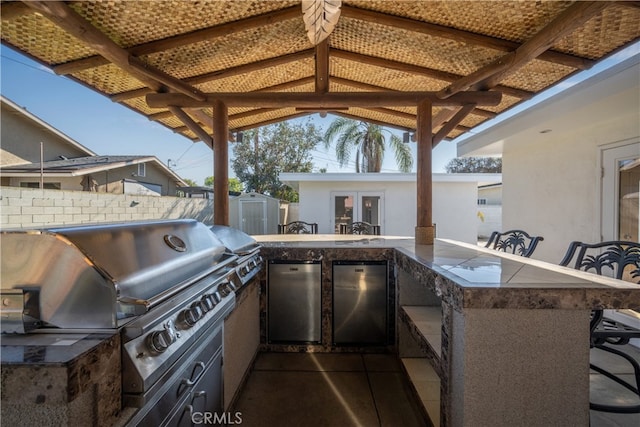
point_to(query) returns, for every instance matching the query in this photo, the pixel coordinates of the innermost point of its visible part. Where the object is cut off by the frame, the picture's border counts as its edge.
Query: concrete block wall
(29, 208)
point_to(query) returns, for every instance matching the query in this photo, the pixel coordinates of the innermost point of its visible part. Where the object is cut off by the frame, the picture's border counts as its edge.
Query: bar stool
(621, 260)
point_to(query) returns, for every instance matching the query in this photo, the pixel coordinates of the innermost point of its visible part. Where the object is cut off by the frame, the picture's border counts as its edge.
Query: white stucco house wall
(489, 210)
(563, 158)
(389, 200)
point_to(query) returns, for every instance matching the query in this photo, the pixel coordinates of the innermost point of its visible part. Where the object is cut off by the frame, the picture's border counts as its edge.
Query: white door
(348, 207)
(621, 205)
(253, 216)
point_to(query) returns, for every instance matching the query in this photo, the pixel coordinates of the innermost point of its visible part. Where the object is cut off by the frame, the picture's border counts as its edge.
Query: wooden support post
(220, 164)
(425, 231)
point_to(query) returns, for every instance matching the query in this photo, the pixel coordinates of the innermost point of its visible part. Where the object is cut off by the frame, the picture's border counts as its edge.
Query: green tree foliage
(190, 182)
(266, 152)
(369, 142)
(474, 165)
(234, 184)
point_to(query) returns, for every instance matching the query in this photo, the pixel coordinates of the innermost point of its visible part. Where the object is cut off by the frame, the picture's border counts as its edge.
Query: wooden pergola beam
(271, 121)
(223, 74)
(252, 66)
(375, 122)
(67, 19)
(288, 85)
(185, 39)
(395, 113)
(451, 124)
(458, 35)
(566, 22)
(220, 164)
(13, 10)
(325, 101)
(130, 94)
(251, 113)
(425, 232)
(192, 125)
(416, 69)
(369, 87)
(322, 66)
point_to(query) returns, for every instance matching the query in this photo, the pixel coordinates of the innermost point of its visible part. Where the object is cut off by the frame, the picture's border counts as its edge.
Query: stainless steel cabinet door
(360, 303)
(294, 298)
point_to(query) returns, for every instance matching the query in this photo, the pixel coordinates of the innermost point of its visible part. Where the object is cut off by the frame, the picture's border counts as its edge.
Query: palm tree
(369, 141)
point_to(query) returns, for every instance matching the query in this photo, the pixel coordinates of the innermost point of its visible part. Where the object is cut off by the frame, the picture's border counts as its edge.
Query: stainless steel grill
(165, 285)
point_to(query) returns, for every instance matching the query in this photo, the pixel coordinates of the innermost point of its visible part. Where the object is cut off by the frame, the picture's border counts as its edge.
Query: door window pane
(628, 201)
(370, 209)
(343, 211)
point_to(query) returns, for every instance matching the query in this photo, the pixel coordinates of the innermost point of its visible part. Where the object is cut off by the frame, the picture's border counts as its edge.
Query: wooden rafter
(322, 66)
(186, 39)
(67, 19)
(458, 35)
(376, 122)
(13, 10)
(225, 73)
(192, 125)
(369, 87)
(489, 76)
(271, 121)
(394, 113)
(416, 69)
(325, 101)
(451, 124)
(252, 66)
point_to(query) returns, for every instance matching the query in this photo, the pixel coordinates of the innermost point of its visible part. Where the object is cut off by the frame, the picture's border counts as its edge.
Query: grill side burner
(245, 247)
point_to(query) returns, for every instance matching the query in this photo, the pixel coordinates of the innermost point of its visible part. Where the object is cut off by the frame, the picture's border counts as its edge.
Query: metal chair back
(298, 227)
(360, 227)
(514, 241)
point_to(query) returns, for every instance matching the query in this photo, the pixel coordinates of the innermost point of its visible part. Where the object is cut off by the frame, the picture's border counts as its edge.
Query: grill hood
(95, 276)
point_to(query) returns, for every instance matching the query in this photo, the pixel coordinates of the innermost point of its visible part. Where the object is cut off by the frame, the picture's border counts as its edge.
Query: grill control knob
(223, 289)
(159, 341)
(192, 314)
(207, 303)
(217, 297)
(232, 285)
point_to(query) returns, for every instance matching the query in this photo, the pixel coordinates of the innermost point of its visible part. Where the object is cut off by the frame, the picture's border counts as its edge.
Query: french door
(351, 206)
(621, 206)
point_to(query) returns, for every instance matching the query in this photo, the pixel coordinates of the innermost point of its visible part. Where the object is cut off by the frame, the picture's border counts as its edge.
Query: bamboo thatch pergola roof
(261, 46)
(174, 61)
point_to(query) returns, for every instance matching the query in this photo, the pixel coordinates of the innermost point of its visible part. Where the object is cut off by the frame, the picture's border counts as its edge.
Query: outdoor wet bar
(486, 338)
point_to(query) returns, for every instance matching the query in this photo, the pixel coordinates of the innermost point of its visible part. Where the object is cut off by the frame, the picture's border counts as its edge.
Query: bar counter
(513, 341)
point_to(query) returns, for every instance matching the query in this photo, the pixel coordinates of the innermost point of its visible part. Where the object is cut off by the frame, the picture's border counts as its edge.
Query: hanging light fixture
(320, 18)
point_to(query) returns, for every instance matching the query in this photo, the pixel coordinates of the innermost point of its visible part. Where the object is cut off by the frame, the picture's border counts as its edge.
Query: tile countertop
(471, 276)
(50, 349)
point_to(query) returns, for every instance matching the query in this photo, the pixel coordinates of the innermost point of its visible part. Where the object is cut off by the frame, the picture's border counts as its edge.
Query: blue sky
(109, 128)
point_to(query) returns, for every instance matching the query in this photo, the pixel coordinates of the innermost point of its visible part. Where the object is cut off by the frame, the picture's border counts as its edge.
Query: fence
(27, 208)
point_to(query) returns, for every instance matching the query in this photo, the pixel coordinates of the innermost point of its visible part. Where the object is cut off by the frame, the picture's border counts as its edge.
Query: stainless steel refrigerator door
(360, 304)
(294, 296)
